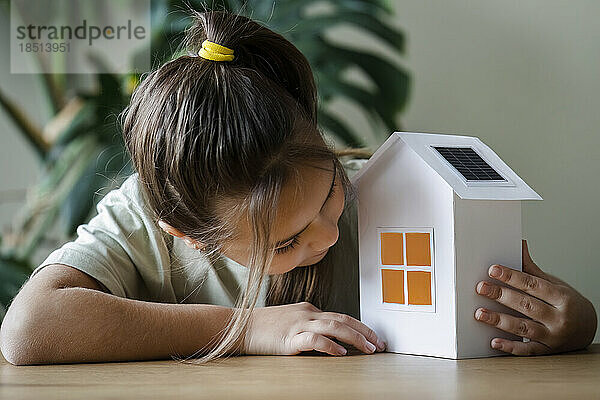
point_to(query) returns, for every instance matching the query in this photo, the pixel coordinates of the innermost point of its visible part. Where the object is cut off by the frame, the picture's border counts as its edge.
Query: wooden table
(313, 376)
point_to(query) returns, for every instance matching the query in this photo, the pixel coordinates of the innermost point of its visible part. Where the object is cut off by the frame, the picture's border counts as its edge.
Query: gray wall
(521, 75)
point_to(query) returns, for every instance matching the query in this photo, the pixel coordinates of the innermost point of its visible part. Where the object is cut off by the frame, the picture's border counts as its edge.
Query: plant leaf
(315, 26)
(13, 275)
(338, 128)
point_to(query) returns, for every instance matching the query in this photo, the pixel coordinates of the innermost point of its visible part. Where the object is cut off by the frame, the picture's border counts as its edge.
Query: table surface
(312, 375)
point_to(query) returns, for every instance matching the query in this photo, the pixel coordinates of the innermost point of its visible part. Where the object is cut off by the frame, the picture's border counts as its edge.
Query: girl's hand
(292, 328)
(561, 318)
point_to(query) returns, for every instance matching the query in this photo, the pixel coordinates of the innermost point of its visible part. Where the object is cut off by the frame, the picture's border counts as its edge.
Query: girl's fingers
(528, 305)
(520, 348)
(528, 283)
(341, 332)
(517, 326)
(308, 341)
(355, 324)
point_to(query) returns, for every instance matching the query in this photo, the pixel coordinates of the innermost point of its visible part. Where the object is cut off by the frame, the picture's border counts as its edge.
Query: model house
(434, 213)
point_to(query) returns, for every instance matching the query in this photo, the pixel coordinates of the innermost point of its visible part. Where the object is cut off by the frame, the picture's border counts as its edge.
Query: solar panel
(469, 164)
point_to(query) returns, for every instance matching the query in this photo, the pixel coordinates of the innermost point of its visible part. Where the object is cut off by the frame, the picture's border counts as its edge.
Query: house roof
(502, 183)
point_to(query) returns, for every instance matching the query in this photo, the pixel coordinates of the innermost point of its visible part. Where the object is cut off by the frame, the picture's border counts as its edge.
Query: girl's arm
(46, 324)
(62, 316)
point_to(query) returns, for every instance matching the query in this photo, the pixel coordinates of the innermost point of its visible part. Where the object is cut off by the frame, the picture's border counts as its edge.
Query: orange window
(418, 249)
(391, 248)
(419, 287)
(410, 288)
(393, 285)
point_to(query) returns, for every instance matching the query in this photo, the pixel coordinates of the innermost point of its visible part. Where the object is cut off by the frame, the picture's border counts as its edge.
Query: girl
(235, 235)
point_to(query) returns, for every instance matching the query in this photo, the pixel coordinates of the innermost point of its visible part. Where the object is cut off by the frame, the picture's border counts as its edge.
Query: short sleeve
(121, 247)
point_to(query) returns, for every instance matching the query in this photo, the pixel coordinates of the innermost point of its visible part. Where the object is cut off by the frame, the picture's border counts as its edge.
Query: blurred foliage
(82, 150)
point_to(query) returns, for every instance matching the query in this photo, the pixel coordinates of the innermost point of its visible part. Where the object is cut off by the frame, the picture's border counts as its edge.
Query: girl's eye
(331, 193)
(293, 243)
(333, 190)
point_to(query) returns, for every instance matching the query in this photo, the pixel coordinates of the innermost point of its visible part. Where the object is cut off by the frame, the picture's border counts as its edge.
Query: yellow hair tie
(215, 52)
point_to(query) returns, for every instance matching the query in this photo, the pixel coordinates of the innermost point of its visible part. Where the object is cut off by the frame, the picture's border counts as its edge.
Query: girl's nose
(327, 234)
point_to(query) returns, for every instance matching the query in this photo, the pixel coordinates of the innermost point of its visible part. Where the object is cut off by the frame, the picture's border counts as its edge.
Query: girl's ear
(169, 229)
(189, 242)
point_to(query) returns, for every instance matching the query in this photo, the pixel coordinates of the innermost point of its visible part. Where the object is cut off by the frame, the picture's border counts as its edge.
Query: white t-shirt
(124, 249)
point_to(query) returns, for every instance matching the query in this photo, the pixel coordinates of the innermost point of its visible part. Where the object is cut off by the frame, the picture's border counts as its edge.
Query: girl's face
(305, 224)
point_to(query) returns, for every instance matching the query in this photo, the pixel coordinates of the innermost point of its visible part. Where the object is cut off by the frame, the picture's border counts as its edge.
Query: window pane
(418, 249)
(393, 285)
(419, 287)
(391, 248)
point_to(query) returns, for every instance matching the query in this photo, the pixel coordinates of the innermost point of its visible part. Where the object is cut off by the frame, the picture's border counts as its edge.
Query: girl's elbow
(12, 345)
(18, 342)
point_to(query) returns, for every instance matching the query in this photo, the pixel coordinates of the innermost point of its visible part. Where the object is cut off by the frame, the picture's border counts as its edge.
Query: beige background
(524, 76)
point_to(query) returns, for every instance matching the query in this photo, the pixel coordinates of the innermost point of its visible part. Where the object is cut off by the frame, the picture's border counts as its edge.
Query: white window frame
(406, 268)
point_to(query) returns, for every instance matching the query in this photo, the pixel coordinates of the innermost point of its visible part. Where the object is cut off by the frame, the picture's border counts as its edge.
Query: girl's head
(229, 155)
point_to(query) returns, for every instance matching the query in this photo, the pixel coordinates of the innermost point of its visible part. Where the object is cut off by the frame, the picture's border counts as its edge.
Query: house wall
(402, 191)
(486, 232)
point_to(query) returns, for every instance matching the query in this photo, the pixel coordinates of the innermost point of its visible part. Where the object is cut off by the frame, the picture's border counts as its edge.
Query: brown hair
(201, 132)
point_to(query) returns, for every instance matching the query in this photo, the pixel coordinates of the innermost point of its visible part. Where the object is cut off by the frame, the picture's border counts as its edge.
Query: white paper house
(434, 213)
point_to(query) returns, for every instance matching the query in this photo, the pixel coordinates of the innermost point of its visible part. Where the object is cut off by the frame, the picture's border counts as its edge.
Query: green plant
(81, 147)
